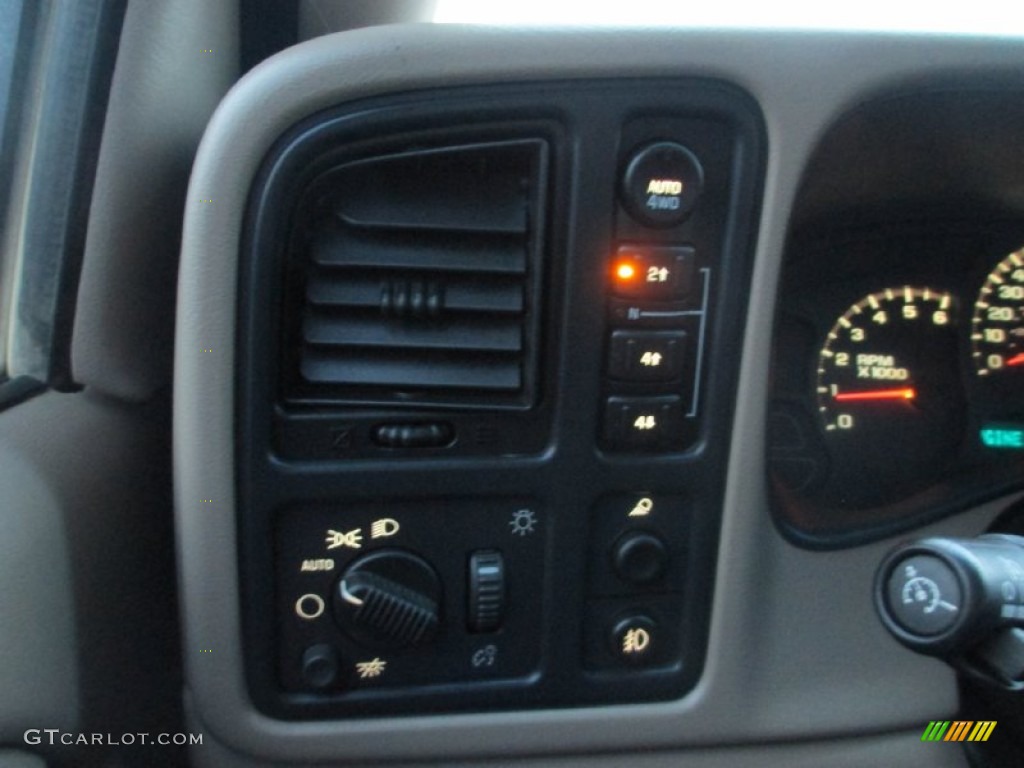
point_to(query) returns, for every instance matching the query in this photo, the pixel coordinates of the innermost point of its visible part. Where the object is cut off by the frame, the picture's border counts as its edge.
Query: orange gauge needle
(878, 394)
(1017, 359)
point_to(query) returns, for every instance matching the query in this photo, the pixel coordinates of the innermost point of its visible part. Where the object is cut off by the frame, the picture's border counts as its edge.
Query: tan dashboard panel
(795, 649)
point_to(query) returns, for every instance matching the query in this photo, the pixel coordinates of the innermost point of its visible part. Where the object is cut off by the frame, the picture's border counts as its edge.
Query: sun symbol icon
(523, 522)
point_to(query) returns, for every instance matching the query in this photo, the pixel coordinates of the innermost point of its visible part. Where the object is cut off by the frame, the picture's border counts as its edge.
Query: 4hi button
(661, 184)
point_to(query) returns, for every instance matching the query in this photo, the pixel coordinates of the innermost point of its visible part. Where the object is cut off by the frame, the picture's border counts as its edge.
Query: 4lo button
(642, 423)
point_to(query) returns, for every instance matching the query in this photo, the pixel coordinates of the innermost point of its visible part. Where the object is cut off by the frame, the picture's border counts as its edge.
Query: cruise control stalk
(961, 600)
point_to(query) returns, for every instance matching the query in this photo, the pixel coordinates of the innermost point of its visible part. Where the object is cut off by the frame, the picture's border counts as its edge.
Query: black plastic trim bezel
(564, 470)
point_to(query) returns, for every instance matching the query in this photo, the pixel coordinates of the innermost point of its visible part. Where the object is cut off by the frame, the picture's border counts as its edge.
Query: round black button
(924, 595)
(640, 558)
(320, 666)
(633, 639)
(661, 184)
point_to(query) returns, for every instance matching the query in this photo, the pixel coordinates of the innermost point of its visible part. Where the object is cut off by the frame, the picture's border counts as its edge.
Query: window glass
(11, 23)
(985, 17)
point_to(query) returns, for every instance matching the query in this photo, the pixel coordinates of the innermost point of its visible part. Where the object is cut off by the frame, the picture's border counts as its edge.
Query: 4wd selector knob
(389, 598)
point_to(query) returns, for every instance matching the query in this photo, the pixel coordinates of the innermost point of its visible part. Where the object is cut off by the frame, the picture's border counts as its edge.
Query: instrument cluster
(897, 393)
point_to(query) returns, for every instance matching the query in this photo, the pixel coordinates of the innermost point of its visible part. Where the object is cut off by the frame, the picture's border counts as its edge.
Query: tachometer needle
(1017, 359)
(878, 394)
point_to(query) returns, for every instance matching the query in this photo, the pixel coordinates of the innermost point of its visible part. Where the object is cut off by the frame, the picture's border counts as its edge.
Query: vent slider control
(413, 435)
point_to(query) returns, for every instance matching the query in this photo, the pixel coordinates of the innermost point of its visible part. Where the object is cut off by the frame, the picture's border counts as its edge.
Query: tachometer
(889, 393)
(997, 327)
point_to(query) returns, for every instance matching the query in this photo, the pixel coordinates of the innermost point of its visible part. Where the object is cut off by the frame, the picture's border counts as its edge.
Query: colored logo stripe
(982, 730)
(958, 730)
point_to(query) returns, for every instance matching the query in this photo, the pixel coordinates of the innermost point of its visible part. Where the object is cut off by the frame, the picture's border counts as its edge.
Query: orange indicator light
(625, 271)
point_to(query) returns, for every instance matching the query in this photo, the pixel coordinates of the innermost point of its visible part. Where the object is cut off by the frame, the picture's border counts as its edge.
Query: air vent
(420, 278)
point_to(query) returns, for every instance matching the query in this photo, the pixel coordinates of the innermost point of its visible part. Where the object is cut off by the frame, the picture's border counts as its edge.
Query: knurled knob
(389, 598)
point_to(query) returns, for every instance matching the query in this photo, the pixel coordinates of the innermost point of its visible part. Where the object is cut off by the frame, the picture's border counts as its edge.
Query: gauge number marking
(997, 326)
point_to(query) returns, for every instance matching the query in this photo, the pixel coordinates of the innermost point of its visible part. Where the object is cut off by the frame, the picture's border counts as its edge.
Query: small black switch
(642, 423)
(633, 639)
(320, 666)
(640, 558)
(486, 591)
(654, 272)
(661, 184)
(646, 355)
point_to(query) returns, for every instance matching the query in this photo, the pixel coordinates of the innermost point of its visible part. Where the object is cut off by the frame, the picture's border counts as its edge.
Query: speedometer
(997, 328)
(889, 394)
(997, 346)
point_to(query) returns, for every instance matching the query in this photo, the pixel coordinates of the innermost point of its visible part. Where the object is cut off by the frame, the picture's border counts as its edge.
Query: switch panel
(483, 427)
(659, 290)
(636, 581)
(653, 371)
(380, 593)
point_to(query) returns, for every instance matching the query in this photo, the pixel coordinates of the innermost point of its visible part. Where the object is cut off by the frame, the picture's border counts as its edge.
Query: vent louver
(421, 278)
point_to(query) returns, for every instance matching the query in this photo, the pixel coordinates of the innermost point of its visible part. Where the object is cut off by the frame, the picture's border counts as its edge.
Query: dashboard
(857, 286)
